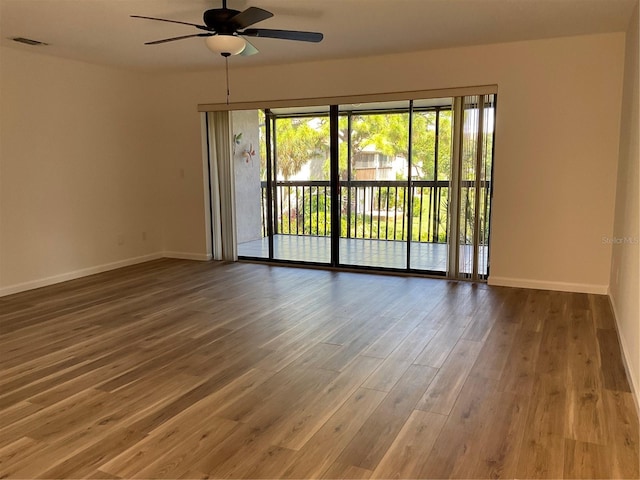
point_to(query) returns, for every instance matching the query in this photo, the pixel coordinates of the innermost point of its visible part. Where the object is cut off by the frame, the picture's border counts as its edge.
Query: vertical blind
(222, 183)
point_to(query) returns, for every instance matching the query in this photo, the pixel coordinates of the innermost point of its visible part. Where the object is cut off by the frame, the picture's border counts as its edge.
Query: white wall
(79, 174)
(556, 149)
(625, 265)
(177, 138)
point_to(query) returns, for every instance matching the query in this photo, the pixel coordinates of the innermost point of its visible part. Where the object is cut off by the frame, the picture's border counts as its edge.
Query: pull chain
(226, 66)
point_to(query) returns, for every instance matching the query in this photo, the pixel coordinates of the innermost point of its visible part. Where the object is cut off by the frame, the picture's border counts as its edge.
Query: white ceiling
(101, 31)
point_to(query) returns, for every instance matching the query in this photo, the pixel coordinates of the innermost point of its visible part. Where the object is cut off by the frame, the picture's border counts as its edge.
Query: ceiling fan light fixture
(226, 44)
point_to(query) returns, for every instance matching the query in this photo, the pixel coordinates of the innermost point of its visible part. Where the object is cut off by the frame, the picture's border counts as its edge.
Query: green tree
(301, 139)
(425, 143)
(298, 141)
(388, 134)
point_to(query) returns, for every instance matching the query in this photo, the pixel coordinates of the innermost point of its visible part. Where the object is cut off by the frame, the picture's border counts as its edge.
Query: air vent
(28, 41)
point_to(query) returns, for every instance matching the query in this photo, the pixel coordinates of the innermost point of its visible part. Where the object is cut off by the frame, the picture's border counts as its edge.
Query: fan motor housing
(218, 20)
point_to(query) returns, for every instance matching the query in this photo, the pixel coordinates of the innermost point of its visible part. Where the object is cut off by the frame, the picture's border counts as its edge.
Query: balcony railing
(370, 209)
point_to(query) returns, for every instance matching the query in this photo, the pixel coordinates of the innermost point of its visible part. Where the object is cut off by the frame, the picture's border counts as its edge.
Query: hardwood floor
(177, 369)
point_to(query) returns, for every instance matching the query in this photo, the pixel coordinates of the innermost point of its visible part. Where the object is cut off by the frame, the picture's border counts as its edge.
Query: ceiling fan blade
(250, 49)
(284, 34)
(250, 16)
(201, 27)
(173, 39)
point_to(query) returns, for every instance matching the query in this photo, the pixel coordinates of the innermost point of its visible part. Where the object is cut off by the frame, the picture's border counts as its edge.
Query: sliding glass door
(430, 184)
(401, 186)
(301, 187)
(374, 185)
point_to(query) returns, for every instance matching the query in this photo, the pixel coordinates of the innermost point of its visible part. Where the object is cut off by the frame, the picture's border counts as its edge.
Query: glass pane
(302, 216)
(431, 159)
(373, 172)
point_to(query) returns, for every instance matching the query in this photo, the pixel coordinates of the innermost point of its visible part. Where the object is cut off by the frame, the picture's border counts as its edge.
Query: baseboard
(542, 285)
(635, 388)
(201, 257)
(84, 272)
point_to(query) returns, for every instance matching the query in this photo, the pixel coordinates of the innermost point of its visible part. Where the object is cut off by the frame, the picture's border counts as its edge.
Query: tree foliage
(300, 140)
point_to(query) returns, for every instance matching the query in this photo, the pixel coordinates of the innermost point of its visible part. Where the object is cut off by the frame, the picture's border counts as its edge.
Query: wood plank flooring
(177, 369)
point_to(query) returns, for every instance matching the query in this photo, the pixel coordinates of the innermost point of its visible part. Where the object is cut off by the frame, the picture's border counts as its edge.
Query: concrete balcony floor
(428, 257)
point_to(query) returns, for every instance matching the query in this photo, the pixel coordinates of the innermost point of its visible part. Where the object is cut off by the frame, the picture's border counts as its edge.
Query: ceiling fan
(224, 29)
